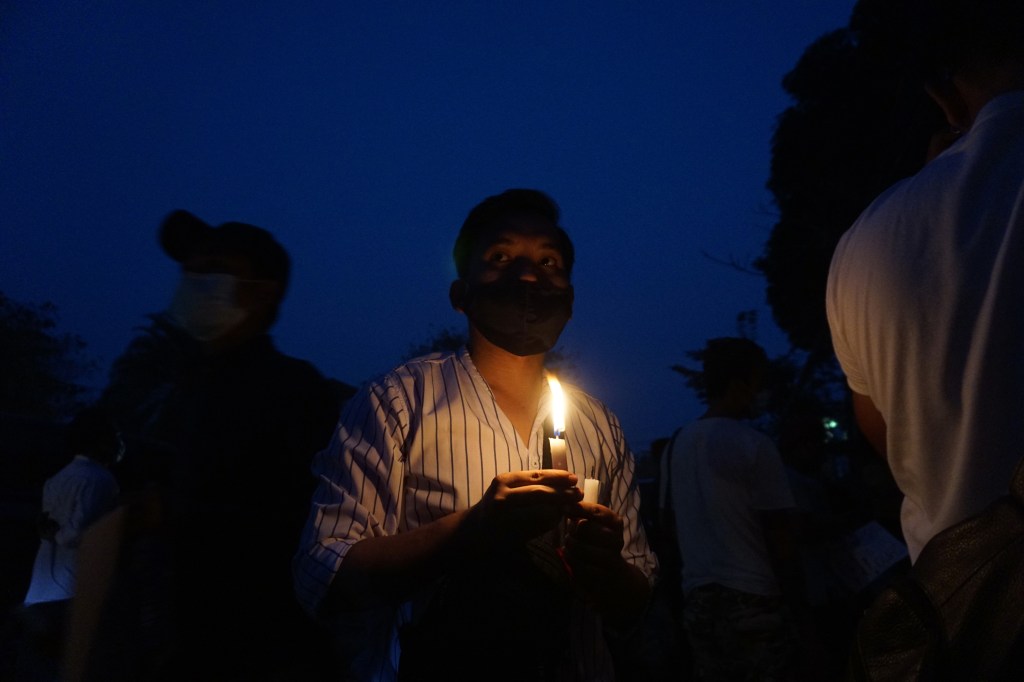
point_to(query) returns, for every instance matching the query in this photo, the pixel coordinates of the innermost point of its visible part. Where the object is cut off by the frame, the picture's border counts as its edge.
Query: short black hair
(946, 36)
(510, 202)
(730, 358)
(91, 432)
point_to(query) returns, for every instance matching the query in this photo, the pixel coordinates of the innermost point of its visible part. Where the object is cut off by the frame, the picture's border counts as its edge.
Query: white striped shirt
(426, 440)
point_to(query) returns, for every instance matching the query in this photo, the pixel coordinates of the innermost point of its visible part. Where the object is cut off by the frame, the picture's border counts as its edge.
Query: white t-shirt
(75, 497)
(926, 305)
(722, 472)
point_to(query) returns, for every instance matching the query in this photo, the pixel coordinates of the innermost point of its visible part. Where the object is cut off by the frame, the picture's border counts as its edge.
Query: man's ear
(950, 98)
(457, 294)
(267, 293)
(261, 299)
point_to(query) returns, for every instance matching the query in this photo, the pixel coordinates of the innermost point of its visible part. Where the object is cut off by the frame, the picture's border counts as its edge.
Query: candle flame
(557, 406)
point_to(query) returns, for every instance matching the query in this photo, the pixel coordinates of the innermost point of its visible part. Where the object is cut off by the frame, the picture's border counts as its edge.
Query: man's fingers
(555, 478)
(598, 513)
(539, 494)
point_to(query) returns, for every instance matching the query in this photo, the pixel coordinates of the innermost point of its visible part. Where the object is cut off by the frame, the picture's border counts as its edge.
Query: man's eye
(549, 262)
(497, 257)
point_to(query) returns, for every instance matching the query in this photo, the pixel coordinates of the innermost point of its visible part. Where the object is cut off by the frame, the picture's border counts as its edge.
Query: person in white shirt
(437, 512)
(733, 514)
(926, 289)
(73, 499)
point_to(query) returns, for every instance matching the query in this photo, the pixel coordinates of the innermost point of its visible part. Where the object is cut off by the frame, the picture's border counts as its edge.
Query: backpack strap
(899, 637)
(665, 484)
(915, 597)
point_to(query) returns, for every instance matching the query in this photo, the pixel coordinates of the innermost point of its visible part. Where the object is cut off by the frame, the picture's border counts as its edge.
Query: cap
(182, 235)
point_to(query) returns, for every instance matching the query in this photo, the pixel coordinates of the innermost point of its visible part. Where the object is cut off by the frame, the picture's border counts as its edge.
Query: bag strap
(914, 595)
(903, 597)
(666, 477)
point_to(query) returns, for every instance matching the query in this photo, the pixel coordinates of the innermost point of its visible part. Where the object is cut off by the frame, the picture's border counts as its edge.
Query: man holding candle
(437, 514)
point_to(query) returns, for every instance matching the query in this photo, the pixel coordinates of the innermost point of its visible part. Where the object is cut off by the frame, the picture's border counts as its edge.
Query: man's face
(251, 293)
(516, 290)
(228, 309)
(523, 247)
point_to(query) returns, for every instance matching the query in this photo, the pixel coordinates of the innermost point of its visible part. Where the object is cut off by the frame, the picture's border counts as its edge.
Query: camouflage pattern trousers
(739, 637)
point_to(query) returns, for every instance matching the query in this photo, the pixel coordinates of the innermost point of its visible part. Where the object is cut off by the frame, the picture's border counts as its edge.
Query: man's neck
(516, 381)
(978, 89)
(230, 342)
(727, 408)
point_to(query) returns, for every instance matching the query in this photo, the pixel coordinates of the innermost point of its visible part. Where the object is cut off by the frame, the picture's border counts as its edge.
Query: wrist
(471, 536)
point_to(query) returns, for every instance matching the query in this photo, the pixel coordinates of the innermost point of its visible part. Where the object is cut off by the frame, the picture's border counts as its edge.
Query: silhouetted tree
(40, 368)
(857, 125)
(792, 381)
(446, 339)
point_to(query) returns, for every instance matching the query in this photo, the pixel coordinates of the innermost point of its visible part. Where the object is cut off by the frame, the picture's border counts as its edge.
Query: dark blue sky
(362, 133)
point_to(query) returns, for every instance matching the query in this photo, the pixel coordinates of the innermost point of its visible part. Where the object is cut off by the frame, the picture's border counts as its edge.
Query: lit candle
(557, 444)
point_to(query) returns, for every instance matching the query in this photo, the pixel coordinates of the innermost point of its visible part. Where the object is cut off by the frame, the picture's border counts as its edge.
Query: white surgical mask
(204, 305)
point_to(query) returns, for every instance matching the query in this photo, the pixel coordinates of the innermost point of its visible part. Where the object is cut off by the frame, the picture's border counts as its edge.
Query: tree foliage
(859, 122)
(693, 377)
(857, 125)
(41, 368)
(445, 339)
(797, 384)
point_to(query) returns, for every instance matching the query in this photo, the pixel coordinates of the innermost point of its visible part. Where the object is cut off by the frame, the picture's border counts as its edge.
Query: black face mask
(521, 317)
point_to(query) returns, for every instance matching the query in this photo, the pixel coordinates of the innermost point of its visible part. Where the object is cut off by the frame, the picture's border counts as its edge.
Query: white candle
(557, 444)
(558, 459)
(591, 488)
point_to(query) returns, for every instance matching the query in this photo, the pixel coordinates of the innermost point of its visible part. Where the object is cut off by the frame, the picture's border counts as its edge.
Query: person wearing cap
(233, 280)
(437, 525)
(224, 425)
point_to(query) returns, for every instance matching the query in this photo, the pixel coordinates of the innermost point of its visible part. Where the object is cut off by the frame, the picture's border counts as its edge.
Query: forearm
(389, 569)
(784, 555)
(871, 422)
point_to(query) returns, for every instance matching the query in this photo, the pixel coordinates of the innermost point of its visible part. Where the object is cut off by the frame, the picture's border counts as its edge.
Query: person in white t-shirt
(733, 512)
(73, 499)
(926, 290)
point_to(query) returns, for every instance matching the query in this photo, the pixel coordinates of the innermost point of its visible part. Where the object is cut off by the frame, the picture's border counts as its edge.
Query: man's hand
(521, 505)
(594, 543)
(593, 550)
(390, 568)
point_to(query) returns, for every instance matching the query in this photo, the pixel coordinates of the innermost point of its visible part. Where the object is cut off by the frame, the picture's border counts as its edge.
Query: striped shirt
(426, 440)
